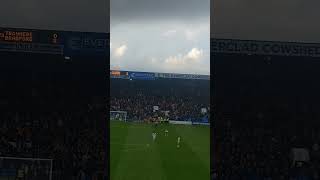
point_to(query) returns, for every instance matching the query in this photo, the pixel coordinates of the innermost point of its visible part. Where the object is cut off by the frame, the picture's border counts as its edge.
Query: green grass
(133, 159)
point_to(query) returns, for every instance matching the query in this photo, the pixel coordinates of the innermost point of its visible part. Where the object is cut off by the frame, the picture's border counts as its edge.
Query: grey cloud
(141, 51)
(71, 15)
(127, 10)
(286, 20)
(141, 25)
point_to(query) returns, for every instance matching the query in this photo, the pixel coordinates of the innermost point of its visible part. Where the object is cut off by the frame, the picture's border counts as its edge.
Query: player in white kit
(178, 142)
(154, 135)
(166, 132)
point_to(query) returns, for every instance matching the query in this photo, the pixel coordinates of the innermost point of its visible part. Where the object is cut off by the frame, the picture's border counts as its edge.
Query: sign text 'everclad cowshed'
(265, 48)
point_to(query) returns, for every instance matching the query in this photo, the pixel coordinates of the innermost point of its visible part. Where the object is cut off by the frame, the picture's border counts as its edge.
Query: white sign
(181, 122)
(166, 113)
(203, 110)
(155, 108)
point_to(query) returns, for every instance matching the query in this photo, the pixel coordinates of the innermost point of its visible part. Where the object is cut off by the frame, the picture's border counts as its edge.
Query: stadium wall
(152, 76)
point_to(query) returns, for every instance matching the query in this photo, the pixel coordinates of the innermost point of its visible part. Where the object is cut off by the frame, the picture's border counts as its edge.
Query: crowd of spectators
(266, 108)
(174, 101)
(74, 140)
(70, 129)
(50, 111)
(142, 107)
(258, 143)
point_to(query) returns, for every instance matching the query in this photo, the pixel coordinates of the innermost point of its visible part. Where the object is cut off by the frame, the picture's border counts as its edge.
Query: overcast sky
(160, 36)
(275, 20)
(70, 15)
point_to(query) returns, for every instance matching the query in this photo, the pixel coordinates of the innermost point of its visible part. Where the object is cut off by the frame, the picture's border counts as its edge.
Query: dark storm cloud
(126, 10)
(160, 35)
(71, 15)
(285, 20)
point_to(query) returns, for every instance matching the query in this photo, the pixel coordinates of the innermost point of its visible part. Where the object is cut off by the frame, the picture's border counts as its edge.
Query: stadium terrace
(160, 92)
(267, 122)
(52, 109)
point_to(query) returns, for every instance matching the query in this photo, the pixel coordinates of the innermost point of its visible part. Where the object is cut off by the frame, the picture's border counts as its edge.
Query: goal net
(118, 115)
(13, 168)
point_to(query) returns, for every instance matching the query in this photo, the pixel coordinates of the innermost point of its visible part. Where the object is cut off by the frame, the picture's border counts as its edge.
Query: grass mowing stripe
(201, 148)
(160, 160)
(180, 163)
(142, 164)
(120, 134)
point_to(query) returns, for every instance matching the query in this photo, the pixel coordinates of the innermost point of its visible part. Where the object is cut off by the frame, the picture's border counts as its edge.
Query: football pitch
(135, 156)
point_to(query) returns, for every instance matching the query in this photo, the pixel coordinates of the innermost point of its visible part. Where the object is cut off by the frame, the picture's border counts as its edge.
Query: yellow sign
(115, 73)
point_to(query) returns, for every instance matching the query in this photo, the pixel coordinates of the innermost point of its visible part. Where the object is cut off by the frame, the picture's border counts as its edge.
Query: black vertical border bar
(107, 118)
(107, 98)
(213, 111)
(213, 107)
(107, 114)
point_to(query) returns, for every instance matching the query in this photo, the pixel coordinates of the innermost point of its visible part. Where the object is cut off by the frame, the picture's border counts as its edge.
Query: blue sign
(153, 76)
(182, 76)
(142, 75)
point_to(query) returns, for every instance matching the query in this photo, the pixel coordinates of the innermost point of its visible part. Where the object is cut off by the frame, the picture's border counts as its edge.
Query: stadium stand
(53, 112)
(182, 98)
(266, 124)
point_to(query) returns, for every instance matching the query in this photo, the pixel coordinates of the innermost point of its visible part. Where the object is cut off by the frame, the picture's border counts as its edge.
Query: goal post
(118, 115)
(12, 168)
